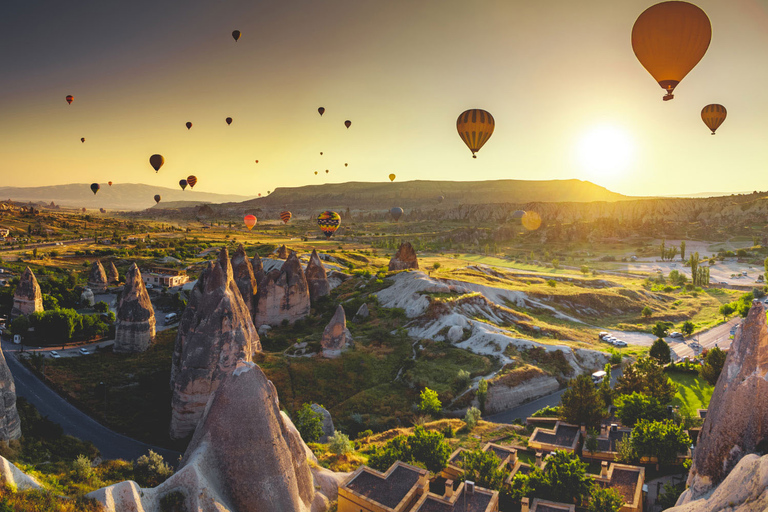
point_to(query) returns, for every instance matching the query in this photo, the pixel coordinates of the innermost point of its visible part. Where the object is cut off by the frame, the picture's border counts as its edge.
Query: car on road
(609, 339)
(170, 318)
(84, 351)
(620, 343)
(602, 335)
(597, 377)
(677, 335)
(54, 354)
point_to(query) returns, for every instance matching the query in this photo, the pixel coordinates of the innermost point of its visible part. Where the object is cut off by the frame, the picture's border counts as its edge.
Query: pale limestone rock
(10, 425)
(244, 278)
(135, 324)
(27, 298)
(405, 258)
(336, 336)
(97, 278)
(283, 295)
(113, 277)
(328, 428)
(317, 279)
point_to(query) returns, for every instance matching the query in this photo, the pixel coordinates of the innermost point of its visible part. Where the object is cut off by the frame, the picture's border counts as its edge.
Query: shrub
(483, 469)
(430, 403)
(482, 393)
(81, 467)
(615, 357)
(713, 365)
(472, 417)
(151, 470)
(309, 423)
(605, 500)
(547, 412)
(551, 282)
(632, 408)
(173, 502)
(670, 494)
(340, 444)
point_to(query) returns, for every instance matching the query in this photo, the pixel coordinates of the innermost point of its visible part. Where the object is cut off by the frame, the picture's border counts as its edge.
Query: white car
(54, 354)
(610, 339)
(602, 335)
(677, 335)
(620, 343)
(85, 351)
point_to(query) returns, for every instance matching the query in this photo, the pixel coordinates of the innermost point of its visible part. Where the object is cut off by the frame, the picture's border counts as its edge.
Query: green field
(693, 392)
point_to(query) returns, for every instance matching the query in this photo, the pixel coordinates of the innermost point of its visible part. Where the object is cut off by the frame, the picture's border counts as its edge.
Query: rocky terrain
(244, 278)
(97, 278)
(405, 258)
(135, 318)
(317, 278)
(27, 298)
(10, 425)
(336, 336)
(283, 294)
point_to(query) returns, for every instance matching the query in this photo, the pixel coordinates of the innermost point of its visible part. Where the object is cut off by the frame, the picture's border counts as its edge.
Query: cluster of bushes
(59, 326)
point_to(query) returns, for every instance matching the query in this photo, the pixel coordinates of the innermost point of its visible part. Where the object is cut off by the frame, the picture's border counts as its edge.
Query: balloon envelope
(157, 198)
(329, 222)
(396, 213)
(669, 39)
(392, 177)
(250, 221)
(229, 120)
(192, 181)
(475, 127)
(235, 35)
(189, 125)
(518, 214)
(285, 216)
(95, 188)
(70, 99)
(156, 161)
(713, 116)
(440, 199)
(109, 183)
(82, 139)
(347, 123)
(183, 184)
(321, 110)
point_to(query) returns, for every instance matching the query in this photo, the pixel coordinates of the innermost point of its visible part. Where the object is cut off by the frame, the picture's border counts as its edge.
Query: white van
(170, 317)
(598, 377)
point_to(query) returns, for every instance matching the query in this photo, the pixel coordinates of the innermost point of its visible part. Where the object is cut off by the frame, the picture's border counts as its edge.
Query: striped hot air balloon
(191, 181)
(713, 116)
(475, 127)
(329, 222)
(285, 216)
(250, 221)
(70, 99)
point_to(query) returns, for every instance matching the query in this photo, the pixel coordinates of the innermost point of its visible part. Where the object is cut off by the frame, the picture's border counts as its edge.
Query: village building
(627, 480)
(167, 277)
(563, 436)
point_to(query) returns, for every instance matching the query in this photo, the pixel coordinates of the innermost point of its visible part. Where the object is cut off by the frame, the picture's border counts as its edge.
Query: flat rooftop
(475, 502)
(390, 490)
(563, 435)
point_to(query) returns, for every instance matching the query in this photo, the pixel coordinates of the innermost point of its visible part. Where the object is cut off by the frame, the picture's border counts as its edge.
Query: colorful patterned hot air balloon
(102, 210)
(191, 181)
(109, 183)
(285, 216)
(82, 139)
(157, 198)
(321, 110)
(70, 99)
(475, 127)
(713, 116)
(229, 120)
(347, 123)
(440, 199)
(189, 125)
(396, 213)
(669, 39)
(250, 221)
(235, 35)
(156, 161)
(183, 184)
(95, 188)
(392, 177)
(329, 222)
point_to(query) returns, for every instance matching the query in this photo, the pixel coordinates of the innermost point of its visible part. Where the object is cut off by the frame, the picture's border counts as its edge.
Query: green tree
(660, 351)
(605, 500)
(590, 444)
(429, 448)
(101, 307)
(660, 330)
(765, 266)
(429, 402)
(483, 469)
(635, 407)
(625, 452)
(584, 270)
(563, 479)
(340, 444)
(726, 310)
(482, 393)
(81, 467)
(660, 439)
(713, 365)
(472, 417)
(647, 377)
(682, 250)
(647, 312)
(309, 423)
(663, 250)
(151, 470)
(581, 403)
(687, 328)
(605, 391)
(556, 264)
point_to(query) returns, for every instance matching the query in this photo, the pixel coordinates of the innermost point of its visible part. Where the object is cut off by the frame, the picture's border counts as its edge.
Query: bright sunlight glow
(605, 150)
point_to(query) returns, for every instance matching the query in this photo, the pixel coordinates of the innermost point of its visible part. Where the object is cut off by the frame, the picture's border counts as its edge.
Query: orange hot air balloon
(285, 216)
(156, 161)
(475, 127)
(347, 123)
(183, 184)
(189, 125)
(250, 221)
(82, 139)
(70, 99)
(235, 35)
(259, 194)
(257, 161)
(321, 153)
(229, 120)
(327, 171)
(315, 172)
(157, 198)
(669, 39)
(109, 183)
(321, 110)
(713, 116)
(191, 181)
(392, 177)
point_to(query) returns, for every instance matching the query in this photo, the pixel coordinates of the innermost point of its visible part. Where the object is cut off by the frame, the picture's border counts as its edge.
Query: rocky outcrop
(362, 313)
(97, 278)
(502, 397)
(87, 298)
(317, 279)
(214, 333)
(10, 425)
(27, 298)
(336, 335)
(258, 268)
(245, 456)
(244, 278)
(405, 258)
(112, 276)
(13, 477)
(135, 324)
(328, 428)
(736, 421)
(283, 295)
(282, 252)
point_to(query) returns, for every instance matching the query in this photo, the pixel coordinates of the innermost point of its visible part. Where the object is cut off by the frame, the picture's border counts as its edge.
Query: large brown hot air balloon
(183, 184)
(285, 216)
(156, 161)
(347, 123)
(235, 35)
(669, 39)
(321, 110)
(713, 116)
(229, 120)
(396, 212)
(70, 99)
(475, 127)
(95, 188)
(191, 181)
(189, 125)
(82, 139)
(157, 198)
(109, 183)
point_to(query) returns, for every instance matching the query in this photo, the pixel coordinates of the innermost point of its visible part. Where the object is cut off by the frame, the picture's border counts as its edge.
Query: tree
(682, 250)
(660, 439)
(430, 403)
(663, 250)
(151, 470)
(101, 307)
(584, 270)
(581, 403)
(309, 423)
(591, 444)
(647, 377)
(625, 452)
(564, 479)
(687, 328)
(660, 330)
(605, 500)
(429, 448)
(472, 417)
(713, 365)
(635, 407)
(660, 351)
(482, 393)
(726, 310)
(340, 444)
(647, 312)
(605, 391)
(483, 469)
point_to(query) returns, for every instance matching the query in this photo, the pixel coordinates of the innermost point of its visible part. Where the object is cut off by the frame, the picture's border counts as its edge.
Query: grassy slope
(693, 392)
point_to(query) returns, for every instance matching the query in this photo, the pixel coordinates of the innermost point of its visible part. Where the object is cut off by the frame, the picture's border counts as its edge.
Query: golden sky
(569, 97)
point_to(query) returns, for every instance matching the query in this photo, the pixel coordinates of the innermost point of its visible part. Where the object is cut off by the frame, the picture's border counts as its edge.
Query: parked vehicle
(170, 317)
(602, 335)
(84, 351)
(54, 354)
(597, 377)
(677, 335)
(620, 343)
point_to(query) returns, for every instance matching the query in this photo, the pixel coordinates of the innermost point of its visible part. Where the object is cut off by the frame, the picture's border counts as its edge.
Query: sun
(605, 150)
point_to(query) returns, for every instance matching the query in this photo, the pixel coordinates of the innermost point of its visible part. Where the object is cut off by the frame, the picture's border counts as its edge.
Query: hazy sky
(569, 97)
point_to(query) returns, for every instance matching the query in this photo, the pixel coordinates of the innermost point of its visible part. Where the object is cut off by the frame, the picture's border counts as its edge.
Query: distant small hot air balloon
(83, 210)
(157, 198)
(70, 99)
(250, 221)
(183, 184)
(109, 183)
(315, 172)
(347, 123)
(192, 180)
(229, 120)
(82, 139)
(517, 215)
(321, 153)
(95, 188)
(396, 213)
(321, 110)
(102, 210)
(156, 161)
(713, 116)
(327, 171)
(345, 165)
(285, 216)
(259, 194)
(475, 127)
(392, 177)
(329, 222)
(236, 35)
(257, 161)
(189, 125)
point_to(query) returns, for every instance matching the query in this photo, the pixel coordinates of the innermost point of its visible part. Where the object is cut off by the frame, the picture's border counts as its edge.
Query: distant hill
(120, 196)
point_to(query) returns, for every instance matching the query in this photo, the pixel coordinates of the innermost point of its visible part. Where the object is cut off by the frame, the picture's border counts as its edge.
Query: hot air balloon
(257, 161)
(156, 161)
(82, 139)
(392, 177)
(669, 39)
(531, 221)
(183, 184)
(83, 210)
(518, 214)
(321, 110)
(347, 123)
(321, 153)
(315, 173)
(396, 212)
(191, 181)
(102, 210)
(70, 99)
(229, 120)
(259, 194)
(236, 35)
(157, 198)
(109, 183)
(713, 116)
(250, 221)
(329, 222)
(95, 188)
(345, 165)
(285, 216)
(189, 125)
(327, 171)
(475, 127)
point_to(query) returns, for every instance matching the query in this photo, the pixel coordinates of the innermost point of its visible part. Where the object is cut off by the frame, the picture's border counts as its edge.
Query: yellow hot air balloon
(475, 127)
(392, 177)
(669, 39)
(713, 116)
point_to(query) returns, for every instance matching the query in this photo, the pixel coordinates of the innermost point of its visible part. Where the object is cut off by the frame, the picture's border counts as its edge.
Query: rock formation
(112, 276)
(317, 280)
(97, 278)
(455, 333)
(245, 456)
(258, 268)
(283, 294)
(13, 477)
(27, 298)
(336, 335)
(244, 278)
(135, 325)
(328, 428)
(10, 425)
(87, 298)
(214, 333)
(282, 252)
(362, 313)
(405, 258)
(736, 421)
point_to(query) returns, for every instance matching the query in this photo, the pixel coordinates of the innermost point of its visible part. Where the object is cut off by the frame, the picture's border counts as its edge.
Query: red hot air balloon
(70, 99)
(315, 172)
(189, 125)
(192, 181)
(347, 123)
(257, 161)
(157, 198)
(250, 221)
(95, 188)
(109, 183)
(156, 161)
(321, 110)
(259, 194)
(229, 120)
(235, 35)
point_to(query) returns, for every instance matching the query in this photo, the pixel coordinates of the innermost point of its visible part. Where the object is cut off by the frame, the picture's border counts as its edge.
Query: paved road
(76, 423)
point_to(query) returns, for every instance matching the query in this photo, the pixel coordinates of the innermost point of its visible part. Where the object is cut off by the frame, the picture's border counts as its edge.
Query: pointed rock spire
(405, 258)
(244, 278)
(283, 294)
(97, 278)
(317, 279)
(135, 325)
(27, 298)
(10, 425)
(112, 275)
(336, 335)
